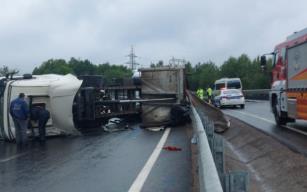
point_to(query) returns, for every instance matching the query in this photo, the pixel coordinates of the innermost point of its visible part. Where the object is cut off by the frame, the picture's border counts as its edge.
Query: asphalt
(258, 114)
(97, 162)
(173, 169)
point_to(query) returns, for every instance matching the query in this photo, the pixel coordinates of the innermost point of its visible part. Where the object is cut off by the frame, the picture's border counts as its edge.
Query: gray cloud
(33, 31)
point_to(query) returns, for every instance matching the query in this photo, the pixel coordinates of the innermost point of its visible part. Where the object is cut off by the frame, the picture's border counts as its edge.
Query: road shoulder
(271, 165)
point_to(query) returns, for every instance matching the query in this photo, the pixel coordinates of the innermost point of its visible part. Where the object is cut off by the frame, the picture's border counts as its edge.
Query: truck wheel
(242, 106)
(280, 120)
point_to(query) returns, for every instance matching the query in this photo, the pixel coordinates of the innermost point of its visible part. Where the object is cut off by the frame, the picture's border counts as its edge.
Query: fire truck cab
(288, 95)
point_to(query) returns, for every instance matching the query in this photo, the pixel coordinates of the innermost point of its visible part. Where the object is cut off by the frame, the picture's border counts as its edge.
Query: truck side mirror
(263, 62)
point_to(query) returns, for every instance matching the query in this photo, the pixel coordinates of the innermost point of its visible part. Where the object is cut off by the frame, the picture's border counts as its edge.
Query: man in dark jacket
(40, 114)
(19, 111)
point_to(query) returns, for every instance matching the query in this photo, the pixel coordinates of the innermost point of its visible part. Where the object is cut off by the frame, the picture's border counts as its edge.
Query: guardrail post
(209, 127)
(235, 181)
(218, 155)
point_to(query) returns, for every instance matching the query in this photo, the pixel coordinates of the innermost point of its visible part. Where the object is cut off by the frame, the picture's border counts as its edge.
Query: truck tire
(280, 120)
(242, 106)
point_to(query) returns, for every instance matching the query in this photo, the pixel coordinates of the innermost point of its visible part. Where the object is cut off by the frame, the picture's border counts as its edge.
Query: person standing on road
(209, 93)
(200, 93)
(40, 114)
(20, 112)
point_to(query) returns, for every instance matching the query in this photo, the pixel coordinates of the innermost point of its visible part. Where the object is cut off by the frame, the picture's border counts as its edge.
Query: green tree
(113, 71)
(236, 67)
(53, 66)
(80, 67)
(250, 73)
(159, 64)
(260, 79)
(203, 75)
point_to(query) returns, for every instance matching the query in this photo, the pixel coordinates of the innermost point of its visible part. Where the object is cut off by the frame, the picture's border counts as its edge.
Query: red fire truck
(288, 95)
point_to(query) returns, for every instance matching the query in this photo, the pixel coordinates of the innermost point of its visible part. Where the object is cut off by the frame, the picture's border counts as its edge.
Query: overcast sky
(33, 31)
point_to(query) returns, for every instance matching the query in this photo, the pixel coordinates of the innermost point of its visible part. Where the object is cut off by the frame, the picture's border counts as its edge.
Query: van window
(233, 85)
(219, 86)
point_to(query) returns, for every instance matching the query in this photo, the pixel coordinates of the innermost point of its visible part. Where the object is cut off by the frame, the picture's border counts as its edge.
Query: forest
(202, 74)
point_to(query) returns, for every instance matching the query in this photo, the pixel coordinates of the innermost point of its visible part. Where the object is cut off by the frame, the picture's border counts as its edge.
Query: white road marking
(255, 116)
(270, 121)
(11, 158)
(142, 176)
(295, 130)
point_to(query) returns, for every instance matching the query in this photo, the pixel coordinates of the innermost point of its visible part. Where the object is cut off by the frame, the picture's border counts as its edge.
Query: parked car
(229, 97)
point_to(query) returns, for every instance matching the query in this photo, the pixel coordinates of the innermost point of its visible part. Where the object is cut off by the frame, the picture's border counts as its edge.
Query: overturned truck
(79, 105)
(76, 105)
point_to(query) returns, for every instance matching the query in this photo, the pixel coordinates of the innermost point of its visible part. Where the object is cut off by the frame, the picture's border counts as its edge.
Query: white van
(228, 91)
(227, 83)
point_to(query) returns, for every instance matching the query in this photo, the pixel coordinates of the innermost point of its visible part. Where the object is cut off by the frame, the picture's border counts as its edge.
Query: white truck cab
(56, 92)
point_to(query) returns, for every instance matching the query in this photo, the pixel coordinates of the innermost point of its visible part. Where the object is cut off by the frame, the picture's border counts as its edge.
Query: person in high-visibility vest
(209, 93)
(200, 93)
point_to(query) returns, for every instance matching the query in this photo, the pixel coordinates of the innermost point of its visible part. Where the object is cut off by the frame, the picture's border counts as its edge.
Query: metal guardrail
(257, 90)
(211, 162)
(261, 94)
(208, 176)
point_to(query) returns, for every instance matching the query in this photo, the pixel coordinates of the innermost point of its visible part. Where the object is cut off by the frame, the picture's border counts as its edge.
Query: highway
(258, 114)
(118, 161)
(130, 160)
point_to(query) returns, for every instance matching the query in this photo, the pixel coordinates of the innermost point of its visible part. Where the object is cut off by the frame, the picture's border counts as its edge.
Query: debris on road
(194, 139)
(161, 128)
(115, 124)
(172, 148)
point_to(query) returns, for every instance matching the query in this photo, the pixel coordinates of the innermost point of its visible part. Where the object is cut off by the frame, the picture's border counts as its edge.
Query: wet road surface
(259, 115)
(104, 162)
